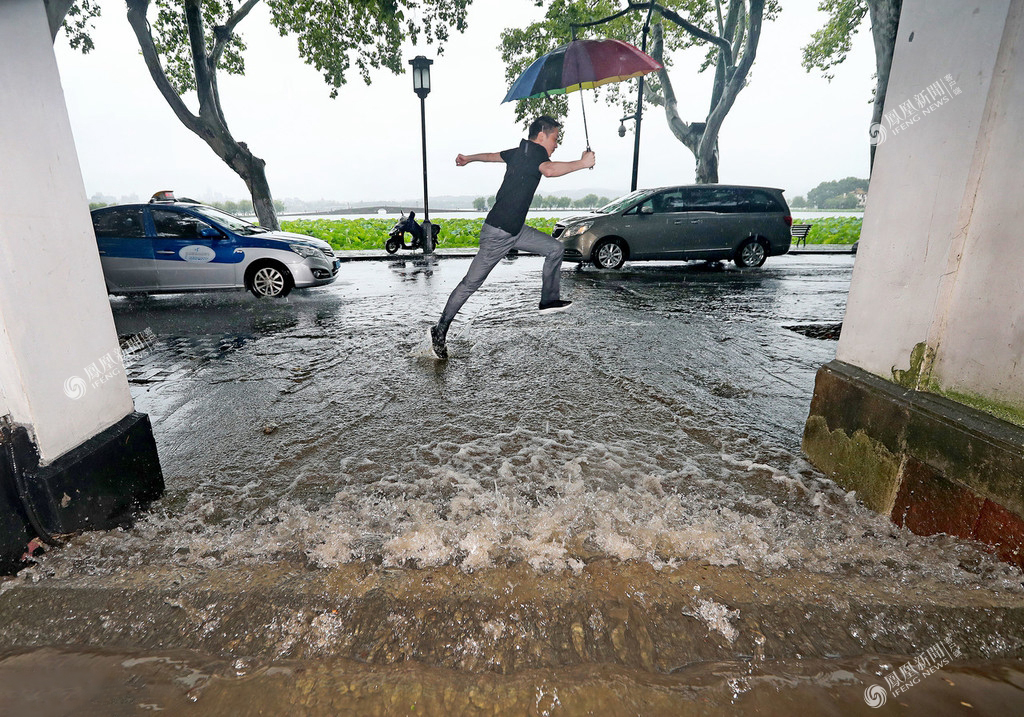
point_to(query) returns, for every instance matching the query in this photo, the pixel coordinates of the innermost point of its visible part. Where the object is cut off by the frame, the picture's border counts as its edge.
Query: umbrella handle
(586, 133)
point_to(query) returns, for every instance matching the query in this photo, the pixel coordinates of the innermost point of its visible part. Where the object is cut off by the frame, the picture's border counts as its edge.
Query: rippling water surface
(657, 422)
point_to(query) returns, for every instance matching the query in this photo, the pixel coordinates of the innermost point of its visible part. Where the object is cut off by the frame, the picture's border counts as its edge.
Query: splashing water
(659, 421)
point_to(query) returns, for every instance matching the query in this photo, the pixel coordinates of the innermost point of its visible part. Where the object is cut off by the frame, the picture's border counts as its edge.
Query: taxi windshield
(228, 221)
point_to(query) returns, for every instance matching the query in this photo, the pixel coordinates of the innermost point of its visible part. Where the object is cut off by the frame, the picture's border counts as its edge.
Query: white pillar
(60, 366)
(938, 264)
(978, 329)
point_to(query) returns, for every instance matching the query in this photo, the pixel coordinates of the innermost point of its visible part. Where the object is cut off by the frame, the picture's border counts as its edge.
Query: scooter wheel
(392, 245)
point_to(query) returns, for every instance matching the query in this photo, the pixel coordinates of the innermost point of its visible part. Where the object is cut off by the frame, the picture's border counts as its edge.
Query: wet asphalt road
(309, 446)
(658, 420)
(345, 364)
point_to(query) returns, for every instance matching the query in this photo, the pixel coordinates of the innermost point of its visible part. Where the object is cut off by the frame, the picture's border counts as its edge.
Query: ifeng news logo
(133, 347)
(906, 113)
(97, 373)
(912, 672)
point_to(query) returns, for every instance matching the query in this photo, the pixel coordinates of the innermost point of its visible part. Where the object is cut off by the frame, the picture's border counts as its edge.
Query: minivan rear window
(758, 201)
(728, 200)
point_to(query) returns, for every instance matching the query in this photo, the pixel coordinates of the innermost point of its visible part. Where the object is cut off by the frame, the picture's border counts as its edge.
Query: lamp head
(421, 75)
(622, 129)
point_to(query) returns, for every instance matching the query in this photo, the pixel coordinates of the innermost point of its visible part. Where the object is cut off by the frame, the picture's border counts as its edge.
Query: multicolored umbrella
(581, 64)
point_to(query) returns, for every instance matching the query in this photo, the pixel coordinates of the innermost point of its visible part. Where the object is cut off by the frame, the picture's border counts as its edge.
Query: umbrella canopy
(581, 64)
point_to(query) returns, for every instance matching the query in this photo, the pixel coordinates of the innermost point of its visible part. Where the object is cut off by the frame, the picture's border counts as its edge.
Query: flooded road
(650, 432)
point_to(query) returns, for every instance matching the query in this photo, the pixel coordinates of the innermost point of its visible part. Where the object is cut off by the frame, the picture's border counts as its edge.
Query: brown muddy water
(605, 512)
(107, 683)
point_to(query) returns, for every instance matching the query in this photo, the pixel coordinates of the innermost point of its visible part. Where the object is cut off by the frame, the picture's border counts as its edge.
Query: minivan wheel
(270, 281)
(609, 254)
(752, 253)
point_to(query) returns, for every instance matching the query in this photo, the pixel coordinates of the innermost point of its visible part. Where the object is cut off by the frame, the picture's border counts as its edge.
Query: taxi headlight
(306, 252)
(577, 229)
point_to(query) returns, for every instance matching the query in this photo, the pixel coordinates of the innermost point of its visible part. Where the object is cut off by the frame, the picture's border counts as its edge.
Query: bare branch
(222, 37)
(200, 62)
(143, 33)
(679, 127)
(678, 19)
(738, 79)
(223, 33)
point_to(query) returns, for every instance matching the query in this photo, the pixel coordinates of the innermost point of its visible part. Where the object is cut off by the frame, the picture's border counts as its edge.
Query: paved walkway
(469, 252)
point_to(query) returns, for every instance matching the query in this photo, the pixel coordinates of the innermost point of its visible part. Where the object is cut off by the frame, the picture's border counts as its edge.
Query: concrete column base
(98, 485)
(932, 465)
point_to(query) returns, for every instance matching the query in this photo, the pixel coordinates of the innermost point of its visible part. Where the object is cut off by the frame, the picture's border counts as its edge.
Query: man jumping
(505, 227)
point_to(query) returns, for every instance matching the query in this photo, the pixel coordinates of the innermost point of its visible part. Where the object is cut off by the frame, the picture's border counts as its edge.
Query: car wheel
(609, 254)
(392, 245)
(752, 253)
(270, 281)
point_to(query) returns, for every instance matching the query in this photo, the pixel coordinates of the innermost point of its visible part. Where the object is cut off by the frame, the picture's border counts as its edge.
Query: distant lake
(556, 213)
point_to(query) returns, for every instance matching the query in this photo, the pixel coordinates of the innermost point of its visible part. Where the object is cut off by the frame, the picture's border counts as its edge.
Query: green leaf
(830, 45)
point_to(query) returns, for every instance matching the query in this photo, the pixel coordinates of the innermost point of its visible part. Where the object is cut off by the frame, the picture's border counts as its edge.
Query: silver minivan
(710, 222)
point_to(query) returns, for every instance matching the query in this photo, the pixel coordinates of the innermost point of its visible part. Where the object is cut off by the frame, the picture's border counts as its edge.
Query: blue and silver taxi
(171, 245)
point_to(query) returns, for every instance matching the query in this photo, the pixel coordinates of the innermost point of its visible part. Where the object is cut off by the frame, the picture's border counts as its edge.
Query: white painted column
(940, 254)
(978, 331)
(60, 364)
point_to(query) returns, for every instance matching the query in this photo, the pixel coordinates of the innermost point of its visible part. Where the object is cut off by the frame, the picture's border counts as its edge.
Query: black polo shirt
(522, 175)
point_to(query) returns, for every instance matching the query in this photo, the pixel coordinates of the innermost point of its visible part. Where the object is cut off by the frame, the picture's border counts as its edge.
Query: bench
(799, 233)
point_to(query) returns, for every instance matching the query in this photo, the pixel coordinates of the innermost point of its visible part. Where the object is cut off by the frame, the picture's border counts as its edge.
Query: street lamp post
(421, 85)
(639, 108)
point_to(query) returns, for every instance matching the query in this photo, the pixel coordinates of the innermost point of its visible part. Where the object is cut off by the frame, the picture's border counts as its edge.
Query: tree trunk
(255, 179)
(707, 166)
(209, 124)
(56, 11)
(738, 48)
(885, 20)
(688, 133)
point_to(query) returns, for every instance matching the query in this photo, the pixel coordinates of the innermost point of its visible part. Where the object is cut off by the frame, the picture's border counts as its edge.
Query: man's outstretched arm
(557, 169)
(463, 159)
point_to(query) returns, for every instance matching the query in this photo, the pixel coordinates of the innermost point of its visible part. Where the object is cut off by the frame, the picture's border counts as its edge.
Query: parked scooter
(396, 237)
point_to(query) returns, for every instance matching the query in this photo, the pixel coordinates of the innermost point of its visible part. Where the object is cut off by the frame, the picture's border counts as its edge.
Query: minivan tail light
(789, 221)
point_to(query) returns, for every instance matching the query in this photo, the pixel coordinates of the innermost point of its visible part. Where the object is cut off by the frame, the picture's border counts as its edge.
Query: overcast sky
(788, 128)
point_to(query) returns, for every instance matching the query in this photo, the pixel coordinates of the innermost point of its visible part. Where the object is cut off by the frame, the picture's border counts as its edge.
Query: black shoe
(437, 345)
(553, 306)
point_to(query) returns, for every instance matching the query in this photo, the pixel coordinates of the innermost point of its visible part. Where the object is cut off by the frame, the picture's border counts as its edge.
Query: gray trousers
(494, 245)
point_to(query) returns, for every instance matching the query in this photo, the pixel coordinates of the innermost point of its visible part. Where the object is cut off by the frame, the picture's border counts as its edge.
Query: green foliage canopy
(348, 234)
(730, 30)
(521, 46)
(826, 191)
(834, 230)
(187, 42)
(830, 45)
(332, 35)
